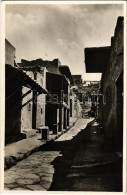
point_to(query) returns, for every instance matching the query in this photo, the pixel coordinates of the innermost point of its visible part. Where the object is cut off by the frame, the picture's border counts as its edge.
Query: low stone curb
(10, 161)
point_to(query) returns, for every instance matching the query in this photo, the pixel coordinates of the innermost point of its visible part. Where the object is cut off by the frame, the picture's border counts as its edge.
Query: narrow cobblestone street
(74, 162)
(85, 166)
(36, 172)
(93, 169)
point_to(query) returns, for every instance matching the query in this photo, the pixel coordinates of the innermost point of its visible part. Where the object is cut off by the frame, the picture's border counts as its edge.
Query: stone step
(29, 132)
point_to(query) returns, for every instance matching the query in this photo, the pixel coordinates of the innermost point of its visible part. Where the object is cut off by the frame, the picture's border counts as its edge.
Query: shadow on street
(83, 164)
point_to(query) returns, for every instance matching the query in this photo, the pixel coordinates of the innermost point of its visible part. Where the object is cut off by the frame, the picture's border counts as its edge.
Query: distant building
(77, 79)
(64, 70)
(75, 105)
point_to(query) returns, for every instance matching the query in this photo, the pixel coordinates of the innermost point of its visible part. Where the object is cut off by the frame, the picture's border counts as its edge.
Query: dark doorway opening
(119, 85)
(51, 116)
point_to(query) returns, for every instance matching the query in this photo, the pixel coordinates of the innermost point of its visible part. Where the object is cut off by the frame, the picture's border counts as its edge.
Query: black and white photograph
(64, 73)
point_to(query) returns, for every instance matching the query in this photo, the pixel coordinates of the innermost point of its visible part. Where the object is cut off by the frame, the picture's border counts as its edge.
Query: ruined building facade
(109, 62)
(112, 88)
(20, 92)
(38, 95)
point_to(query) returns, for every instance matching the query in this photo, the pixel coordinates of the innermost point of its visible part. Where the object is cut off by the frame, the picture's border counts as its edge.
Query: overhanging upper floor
(96, 59)
(24, 79)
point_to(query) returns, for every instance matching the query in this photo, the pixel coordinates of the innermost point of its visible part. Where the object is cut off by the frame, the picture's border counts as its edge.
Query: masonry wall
(109, 81)
(40, 110)
(41, 99)
(26, 112)
(12, 109)
(76, 107)
(9, 53)
(33, 114)
(53, 66)
(79, 108)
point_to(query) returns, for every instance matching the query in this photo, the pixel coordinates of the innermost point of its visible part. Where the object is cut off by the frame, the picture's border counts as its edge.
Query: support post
(68, 117)
(60, 119)
(65, 118)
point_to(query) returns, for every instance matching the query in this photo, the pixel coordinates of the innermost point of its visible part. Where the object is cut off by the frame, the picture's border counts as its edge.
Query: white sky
(60, 31)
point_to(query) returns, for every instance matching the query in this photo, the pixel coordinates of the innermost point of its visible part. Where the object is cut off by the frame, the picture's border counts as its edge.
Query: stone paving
(36, 172)
(78, 127)
(17, 151)
(32, 173)
(93, 169)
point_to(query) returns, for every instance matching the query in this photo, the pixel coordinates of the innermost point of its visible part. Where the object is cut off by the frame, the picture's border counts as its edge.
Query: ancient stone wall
(53, 66)
(41, 99)
(26, 112)
(76, 107)
(109, 88)
(39, 103)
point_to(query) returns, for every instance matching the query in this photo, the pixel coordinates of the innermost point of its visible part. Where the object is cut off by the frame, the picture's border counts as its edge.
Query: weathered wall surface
(109, 86)
(76, 107)
(26, 112)
(9, 53)
(79, 108)
(53, 66)
(40, 110)
(41, 99)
